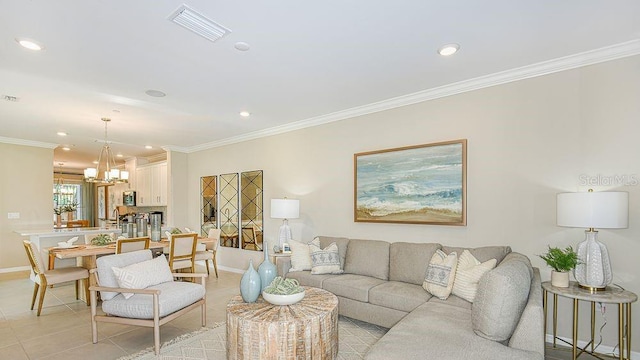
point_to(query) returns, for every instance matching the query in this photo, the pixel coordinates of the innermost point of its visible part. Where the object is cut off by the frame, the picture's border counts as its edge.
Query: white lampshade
(285, 208)
(124, 175)
(603, 210)
(90, 172)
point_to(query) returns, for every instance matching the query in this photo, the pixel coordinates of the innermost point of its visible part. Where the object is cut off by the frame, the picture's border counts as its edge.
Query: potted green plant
(562, 261)
(70, 209)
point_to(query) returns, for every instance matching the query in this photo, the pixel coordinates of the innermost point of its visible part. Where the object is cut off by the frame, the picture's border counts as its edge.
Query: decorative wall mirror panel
(209, 205)
(251, 210)
(228, 203)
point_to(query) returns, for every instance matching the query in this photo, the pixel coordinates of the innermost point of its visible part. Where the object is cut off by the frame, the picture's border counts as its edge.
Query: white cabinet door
(159, 184)
(143, 186)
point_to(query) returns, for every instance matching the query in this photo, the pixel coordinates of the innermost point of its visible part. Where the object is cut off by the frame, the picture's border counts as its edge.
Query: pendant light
(107, 174)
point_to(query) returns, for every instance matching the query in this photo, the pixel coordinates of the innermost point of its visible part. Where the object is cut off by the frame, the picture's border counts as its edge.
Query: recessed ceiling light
(61, 133)
(242, 46)
(119, 155)
(155, 93)
(245, 113)
(148, 147)
(95, 162)
(449, 49)
(30, 44)
(66, 148)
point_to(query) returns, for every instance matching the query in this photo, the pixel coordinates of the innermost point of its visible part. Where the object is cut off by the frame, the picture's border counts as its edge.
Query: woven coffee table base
(306, 330)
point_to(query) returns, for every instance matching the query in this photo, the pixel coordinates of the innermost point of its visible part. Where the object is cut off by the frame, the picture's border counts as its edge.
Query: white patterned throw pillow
(324, 261)
(143, 274)
(440, 274)
(468, 275)
(300, 256)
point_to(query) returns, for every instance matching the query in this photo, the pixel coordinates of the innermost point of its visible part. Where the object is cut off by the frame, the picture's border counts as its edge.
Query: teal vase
(250, 284)
(266, 270)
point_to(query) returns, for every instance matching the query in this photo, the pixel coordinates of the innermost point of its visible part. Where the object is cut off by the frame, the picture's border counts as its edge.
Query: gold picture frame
(421, 184)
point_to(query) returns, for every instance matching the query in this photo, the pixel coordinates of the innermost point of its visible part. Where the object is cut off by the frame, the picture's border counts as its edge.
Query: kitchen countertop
(67, 231)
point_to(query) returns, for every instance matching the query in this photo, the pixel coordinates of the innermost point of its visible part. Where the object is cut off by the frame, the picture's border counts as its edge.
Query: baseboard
(602, 349)
(15, 269)
(233, 270)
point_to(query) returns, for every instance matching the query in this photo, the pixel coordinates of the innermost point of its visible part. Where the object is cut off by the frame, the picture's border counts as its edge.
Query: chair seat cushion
(204, 255)
(174, 296)
(61, 275)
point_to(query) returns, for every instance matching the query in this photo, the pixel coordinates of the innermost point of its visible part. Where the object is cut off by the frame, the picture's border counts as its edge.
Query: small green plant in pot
(562, 261)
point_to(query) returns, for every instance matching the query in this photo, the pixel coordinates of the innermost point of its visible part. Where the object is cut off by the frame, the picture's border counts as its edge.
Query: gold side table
(611, 295)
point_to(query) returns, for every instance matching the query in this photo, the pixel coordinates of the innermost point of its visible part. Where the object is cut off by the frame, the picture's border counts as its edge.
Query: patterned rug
(354, 339)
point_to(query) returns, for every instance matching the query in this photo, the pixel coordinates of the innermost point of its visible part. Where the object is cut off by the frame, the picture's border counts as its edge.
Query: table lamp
(285, 209)
(605, 210)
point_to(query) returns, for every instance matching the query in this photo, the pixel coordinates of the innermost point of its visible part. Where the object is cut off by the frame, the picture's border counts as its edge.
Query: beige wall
(25, 188)
(528, 140)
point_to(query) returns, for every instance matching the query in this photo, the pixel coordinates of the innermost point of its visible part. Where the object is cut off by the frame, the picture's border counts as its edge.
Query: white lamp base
(285, 234)
(594, 270)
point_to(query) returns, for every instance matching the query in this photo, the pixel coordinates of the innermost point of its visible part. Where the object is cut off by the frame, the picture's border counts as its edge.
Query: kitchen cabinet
(151, 185)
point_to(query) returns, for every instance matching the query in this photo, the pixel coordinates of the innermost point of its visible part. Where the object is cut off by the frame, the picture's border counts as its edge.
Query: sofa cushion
(324, 261)
(368, 257)
(501, 298)
(174, 296)
(398, 295)
(482, 253)
(452, 300)
(342, 246)
(440, 331)
(440, 274)
(106, 276)
(468, 275)
(143, 274)
(351, 286)
(408, 261)
(300, 256)
(307, 279)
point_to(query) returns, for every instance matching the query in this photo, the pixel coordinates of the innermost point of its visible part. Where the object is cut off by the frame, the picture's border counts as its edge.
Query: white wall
(527, 141)
(26, 188)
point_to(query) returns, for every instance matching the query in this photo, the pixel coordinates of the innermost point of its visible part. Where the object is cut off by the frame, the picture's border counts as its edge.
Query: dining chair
(43, 278)
(132, 244)
(249, 237)
(137, 289)
(208, 251)
(182, 251)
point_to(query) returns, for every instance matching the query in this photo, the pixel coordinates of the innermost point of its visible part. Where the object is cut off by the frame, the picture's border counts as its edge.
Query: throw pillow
(143, 274)
(324, 261)
(440, 274)
(300, 256)
(468, 274)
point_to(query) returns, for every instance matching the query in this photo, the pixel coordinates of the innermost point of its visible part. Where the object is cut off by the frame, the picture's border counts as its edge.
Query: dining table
(86, 254)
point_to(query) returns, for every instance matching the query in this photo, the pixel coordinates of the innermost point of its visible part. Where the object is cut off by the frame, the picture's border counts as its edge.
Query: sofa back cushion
(482, 253)
(408, 261)
(342, 246)
(368, 258)
(501, 298)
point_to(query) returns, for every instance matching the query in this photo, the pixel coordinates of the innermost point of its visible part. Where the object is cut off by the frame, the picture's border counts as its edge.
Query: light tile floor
(63, 331)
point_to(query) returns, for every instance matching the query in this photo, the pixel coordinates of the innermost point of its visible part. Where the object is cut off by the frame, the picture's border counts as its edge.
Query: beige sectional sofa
(382, 285)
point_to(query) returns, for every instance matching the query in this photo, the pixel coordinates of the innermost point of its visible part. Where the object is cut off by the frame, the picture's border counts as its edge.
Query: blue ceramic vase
(250, 284)
(267, 270)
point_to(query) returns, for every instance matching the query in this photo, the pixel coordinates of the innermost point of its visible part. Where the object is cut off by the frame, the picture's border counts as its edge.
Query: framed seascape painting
(423, 184)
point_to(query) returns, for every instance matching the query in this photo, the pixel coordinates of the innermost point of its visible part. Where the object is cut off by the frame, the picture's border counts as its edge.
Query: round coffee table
(305, 330)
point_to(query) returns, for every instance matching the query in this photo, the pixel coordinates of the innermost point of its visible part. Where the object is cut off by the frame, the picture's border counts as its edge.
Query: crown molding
(13, 141)
(613, 52)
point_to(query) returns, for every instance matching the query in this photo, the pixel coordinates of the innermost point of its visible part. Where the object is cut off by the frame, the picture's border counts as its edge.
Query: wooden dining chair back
(182, 251)
(43, 278)
(132, 244)
(249, 237)
(208, 250)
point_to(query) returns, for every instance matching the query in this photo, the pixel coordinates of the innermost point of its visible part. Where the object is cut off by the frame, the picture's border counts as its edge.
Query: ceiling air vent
(198, 23)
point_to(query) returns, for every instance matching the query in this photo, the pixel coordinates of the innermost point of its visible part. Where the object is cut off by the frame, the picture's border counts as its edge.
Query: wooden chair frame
(120, 242)
(172, 250)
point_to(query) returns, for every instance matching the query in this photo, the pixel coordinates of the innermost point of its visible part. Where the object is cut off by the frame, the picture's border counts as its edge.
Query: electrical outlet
(13, 215)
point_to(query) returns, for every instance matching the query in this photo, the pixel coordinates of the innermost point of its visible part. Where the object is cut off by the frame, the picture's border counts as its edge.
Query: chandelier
(107, 174)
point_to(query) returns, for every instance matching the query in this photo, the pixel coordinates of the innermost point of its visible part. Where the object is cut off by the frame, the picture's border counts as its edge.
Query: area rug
(354, 339)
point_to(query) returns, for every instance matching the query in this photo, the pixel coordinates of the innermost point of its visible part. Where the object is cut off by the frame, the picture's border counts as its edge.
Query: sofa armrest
(529, 333)
(283, 264)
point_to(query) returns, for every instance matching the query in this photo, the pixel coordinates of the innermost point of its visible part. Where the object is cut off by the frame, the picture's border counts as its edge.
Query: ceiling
(307, 60)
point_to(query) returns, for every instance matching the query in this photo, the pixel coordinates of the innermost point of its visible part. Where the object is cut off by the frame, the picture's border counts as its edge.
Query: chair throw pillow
(143, 274)
(324, 261)
(300, 256)
(440, 274)
(468, 274)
